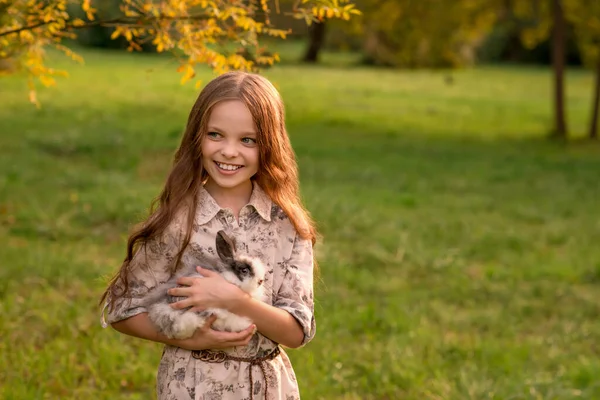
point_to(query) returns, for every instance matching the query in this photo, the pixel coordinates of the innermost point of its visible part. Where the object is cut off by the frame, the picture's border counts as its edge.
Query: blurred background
(448, 152)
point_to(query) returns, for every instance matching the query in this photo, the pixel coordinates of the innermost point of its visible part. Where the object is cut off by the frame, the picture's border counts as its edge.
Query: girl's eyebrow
(215, 128)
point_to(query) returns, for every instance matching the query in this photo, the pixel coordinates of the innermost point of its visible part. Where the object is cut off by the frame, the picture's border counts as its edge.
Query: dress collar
(208, 207)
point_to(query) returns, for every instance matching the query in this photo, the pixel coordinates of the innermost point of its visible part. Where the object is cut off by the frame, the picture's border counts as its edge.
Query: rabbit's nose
(260, 282)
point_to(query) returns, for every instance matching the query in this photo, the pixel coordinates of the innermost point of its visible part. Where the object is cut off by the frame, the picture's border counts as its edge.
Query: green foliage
(460, 253)
(504, 44)
(533, 21)
(585, 16)
(424, 33)
(428, 33)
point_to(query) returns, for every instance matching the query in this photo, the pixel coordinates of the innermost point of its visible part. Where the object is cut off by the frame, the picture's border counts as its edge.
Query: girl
(235, 170)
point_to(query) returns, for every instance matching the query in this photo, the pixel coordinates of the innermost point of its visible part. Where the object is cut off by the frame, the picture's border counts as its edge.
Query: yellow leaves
(26, 36)
(235, 61)
(32, 93)
(77, 22)
(134, 46)
(126, 32)
(47, 80)
(333, 9)
(33, 98)
(47, 17)
(69, 53)
(247, 24)
(277, 33)
(116, 33)
(159, 43)
(188, 73)
(54, 29)
(266, 60)
(194, 29)
(231, 12)
(348, 11)
(87, 8)
(128, 11)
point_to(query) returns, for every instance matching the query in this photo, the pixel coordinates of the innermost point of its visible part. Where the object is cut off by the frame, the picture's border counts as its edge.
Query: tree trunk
(558, 63)
(595, 106)
(317, 37)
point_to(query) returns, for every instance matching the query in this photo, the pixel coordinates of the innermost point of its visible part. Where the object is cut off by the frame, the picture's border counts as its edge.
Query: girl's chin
(225, 182)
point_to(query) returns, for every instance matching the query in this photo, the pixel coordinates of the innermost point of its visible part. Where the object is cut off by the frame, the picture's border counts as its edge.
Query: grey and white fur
(241, 270)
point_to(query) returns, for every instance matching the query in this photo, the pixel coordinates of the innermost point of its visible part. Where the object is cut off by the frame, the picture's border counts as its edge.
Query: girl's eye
(248, 140)
(213, 134)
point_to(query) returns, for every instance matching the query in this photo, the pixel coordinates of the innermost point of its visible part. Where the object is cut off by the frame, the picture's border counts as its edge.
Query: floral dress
(264, 231)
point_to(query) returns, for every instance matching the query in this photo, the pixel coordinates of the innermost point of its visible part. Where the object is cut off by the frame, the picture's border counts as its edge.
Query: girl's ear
(225, 247)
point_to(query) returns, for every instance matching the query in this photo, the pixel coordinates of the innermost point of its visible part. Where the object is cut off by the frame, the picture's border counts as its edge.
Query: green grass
(460, 257)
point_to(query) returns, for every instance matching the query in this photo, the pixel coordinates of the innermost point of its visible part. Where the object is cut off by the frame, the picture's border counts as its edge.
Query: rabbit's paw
(186, 324)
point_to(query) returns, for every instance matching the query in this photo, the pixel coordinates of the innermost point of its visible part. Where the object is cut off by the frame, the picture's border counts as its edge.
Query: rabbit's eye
(244, 270)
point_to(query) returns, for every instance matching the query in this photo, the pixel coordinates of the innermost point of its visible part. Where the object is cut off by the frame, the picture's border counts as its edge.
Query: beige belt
(220, 356)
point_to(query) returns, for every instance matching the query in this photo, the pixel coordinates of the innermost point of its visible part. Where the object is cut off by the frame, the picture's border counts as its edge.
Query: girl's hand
(207, 338)
(212, 291)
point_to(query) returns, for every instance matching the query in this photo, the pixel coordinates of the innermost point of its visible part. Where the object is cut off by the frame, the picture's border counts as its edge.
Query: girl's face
(229, 149)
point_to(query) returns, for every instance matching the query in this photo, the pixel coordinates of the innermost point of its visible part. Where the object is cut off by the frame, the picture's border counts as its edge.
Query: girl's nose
(229, 150)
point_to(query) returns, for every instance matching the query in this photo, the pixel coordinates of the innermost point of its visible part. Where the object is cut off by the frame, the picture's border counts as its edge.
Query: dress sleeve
(295, 294)
(149, 267)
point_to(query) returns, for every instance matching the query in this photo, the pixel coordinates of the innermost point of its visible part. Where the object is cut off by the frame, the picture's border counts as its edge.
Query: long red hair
(277, 173)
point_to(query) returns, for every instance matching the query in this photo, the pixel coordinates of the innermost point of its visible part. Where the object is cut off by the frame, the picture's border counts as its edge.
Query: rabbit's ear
(225, 246)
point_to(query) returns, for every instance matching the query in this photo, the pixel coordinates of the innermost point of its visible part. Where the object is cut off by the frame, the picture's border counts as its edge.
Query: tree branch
(25, 28)
(135, 21)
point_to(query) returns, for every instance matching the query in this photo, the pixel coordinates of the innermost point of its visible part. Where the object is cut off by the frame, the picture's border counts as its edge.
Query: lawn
(460, 255)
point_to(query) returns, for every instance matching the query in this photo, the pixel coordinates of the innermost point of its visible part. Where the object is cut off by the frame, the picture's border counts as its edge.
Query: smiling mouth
(228, 167)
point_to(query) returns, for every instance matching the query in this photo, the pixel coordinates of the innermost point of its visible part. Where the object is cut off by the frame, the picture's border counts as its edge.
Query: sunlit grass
(460, 253)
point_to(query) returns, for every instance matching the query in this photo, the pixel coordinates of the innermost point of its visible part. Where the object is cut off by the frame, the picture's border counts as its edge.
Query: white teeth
(228, 167)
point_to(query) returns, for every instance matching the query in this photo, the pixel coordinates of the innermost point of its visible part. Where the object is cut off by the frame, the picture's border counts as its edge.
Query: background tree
(429, 34)
(585, 17)
(316, 40)
(559, 28)
(224, 34)
(419, 33)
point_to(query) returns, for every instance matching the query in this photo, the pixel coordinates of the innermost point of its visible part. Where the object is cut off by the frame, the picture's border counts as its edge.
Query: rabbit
(241, 270)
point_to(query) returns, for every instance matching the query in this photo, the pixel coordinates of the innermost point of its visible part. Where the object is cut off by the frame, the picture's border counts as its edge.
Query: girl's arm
(214, 291)
(204, 337)
(274, 323)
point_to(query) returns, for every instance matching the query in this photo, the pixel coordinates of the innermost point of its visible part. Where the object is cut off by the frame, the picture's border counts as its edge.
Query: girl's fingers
(226, 337)
(178, 305)
(180, 291)
(186, 280)
(217, 339)
(232, 343)
(245, 341)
